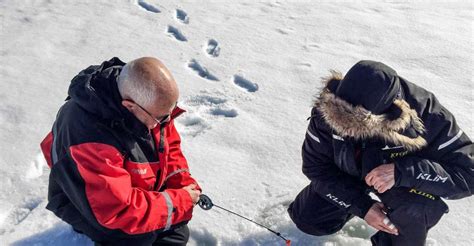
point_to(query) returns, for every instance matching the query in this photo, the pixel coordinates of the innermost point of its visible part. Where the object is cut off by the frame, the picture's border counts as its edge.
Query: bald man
(117, 171)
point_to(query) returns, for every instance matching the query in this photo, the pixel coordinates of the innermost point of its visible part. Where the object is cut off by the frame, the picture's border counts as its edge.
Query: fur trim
(359, 123)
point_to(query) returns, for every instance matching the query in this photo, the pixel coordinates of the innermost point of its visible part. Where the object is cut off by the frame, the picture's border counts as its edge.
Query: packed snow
(247, 71)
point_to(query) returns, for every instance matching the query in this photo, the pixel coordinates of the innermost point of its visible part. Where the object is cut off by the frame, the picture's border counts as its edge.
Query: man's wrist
(361, 206)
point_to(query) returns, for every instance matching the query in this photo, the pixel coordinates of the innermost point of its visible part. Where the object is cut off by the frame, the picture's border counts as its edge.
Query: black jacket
(344, 142)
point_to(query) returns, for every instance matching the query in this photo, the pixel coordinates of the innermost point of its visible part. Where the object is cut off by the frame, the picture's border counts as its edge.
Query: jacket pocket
(344, 157)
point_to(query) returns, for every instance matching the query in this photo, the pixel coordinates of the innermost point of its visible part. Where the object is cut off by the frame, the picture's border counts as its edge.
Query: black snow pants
(175, 237)
(412, 212)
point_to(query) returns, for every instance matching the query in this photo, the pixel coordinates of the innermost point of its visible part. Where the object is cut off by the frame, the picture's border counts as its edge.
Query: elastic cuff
(361, 206)
(403, 171)
(182, 205)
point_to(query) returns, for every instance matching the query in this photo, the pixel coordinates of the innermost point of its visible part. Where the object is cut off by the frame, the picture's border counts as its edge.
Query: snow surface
(247, 71)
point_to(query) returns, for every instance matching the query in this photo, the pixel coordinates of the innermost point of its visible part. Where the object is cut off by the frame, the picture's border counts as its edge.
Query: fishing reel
(205, 202)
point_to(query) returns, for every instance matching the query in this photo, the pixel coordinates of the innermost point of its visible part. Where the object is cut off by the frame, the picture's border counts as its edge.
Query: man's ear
(128, 104)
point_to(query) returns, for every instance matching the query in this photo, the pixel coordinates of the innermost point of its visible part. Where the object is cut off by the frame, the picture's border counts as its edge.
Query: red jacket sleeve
(178, 174)
(115, 203)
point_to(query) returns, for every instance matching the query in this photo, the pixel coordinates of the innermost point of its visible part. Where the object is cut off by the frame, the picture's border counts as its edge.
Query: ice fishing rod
(206, 203)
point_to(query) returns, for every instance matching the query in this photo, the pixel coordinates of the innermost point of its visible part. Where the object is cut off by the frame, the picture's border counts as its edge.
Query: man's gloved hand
(377, 218)
(193, 192)
(382, 178)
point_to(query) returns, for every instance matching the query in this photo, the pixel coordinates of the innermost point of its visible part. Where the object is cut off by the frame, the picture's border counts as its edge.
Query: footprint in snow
(245, 83)
(214, 105)
(13, 216)
(213, 49)
(202, 110)
(284, 31)
(218, 111)
(182, 16)
(201, 71)
(148, 7)
(176, 33)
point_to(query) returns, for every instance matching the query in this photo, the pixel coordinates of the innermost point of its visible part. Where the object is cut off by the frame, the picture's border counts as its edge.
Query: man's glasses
(160, 119)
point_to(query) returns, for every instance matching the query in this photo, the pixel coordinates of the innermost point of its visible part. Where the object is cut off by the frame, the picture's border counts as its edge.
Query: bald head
(148, 83)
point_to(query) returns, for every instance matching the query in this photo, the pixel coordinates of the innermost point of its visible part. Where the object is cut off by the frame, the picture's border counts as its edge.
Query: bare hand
(193, 192)
(376, 218)
(382, 178)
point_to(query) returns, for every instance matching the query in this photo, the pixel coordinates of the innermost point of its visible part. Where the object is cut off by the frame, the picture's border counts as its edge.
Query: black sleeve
(446, 166)
(339, 188)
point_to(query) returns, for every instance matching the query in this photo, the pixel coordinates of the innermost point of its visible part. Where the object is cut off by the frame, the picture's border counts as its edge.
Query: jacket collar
(133, 125)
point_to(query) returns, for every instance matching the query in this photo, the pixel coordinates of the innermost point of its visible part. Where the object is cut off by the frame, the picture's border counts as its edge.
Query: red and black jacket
(112, 178)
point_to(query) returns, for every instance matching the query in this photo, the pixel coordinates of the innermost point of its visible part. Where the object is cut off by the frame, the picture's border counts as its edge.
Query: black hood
(95, 90)
(400, 124)
(370, 84)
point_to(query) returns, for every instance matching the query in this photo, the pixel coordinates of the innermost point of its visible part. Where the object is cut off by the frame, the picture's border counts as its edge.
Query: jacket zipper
(161, 149)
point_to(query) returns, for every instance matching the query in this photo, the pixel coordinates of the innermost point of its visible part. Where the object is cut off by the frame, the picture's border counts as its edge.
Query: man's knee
(423, 214)
(313, 215)
(316, 229)
(177, 236)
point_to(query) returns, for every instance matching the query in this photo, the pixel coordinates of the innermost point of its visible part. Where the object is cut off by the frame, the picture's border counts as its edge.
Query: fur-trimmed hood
(359, 123)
